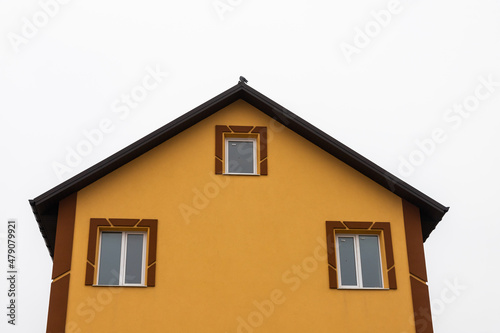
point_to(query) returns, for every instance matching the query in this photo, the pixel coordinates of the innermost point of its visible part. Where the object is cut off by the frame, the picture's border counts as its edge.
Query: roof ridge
(45, 205)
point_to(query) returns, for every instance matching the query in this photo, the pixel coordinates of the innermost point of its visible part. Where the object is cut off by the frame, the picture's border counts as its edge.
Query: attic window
(241, 156)
(241, 150)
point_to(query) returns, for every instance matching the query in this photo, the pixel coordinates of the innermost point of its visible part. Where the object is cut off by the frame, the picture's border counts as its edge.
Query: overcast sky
(412, 85)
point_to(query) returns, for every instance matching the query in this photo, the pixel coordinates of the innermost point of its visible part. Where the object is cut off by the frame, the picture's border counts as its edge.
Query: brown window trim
(95, 223)
(259, 132)
(358, 227)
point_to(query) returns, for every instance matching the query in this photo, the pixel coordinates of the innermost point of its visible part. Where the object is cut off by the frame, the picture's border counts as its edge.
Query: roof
(45, 206)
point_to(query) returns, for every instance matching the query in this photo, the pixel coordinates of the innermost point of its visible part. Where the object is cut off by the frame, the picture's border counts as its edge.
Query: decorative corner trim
(58, 305)
(64, 236)
(417, 273)
(59, 289)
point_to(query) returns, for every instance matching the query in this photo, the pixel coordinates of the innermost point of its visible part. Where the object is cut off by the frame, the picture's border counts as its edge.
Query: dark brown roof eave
(45, 206)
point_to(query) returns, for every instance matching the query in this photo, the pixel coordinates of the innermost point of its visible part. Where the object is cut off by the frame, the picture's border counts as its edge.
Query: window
(359, 261)
(361, 258)
(115, 260)
(241, 150)
(121, 258)
(241, 156)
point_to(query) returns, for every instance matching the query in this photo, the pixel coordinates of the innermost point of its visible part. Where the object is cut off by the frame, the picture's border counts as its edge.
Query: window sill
(241, 174)
(115, 285)
(355, 288)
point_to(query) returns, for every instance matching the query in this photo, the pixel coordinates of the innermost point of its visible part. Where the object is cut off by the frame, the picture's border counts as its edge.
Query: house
(239, 216)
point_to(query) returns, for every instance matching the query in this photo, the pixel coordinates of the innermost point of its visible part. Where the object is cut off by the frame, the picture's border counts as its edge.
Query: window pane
(347, 261)
(109, 259)
(370, 261)
(240, 157)
(133, 266)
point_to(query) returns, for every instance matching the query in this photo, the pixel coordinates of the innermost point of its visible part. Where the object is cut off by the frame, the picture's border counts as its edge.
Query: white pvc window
(241, 156)
(122, 257)
(359, 261)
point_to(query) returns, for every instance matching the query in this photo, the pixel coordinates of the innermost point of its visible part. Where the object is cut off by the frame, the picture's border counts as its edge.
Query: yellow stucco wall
(255, 241)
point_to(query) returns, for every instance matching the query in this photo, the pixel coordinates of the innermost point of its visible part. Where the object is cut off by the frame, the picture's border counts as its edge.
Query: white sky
(62, 78)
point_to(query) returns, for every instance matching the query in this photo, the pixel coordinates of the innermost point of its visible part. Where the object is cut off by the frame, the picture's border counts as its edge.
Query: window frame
(123, 257)
(357, 261)
(254, 153)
